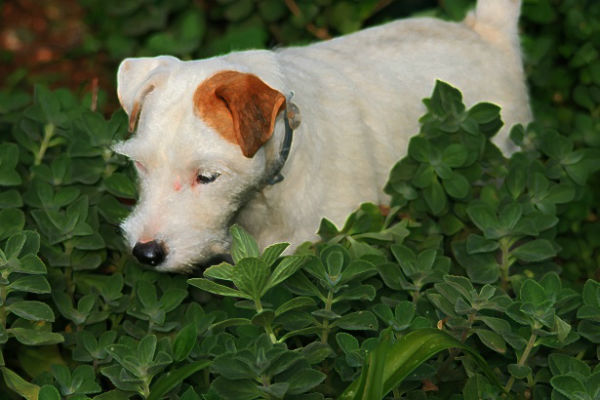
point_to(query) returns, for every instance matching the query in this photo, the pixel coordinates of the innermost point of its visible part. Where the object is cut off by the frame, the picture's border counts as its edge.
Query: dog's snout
(151, 253)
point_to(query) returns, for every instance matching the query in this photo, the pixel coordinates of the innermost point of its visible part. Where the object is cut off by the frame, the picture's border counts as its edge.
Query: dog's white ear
(136, 78)
(241, 107)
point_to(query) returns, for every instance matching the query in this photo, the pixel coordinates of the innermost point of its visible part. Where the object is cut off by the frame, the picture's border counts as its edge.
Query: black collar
(291, 120)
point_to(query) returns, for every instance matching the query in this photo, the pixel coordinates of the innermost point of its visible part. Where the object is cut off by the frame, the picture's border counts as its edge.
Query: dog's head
(199, 153)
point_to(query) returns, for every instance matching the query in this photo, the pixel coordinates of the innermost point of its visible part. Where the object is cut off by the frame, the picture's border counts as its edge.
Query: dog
(277, 140)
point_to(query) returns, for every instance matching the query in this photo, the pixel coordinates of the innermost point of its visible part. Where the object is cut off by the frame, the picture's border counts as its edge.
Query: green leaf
(419, 149)
(403, 357)
(171, 299)
(10, 199)
(34, 337)
(189, 394)
(358, 320)
(562, 328)
(509, 216)
(30, 264)
(482, 215)
(445, 100)
(29, 391)
(32, 310)
(484, 113)
(304, 380)
(146, 293)
(481, 268)
(184, 342)
(316, 352)
(457, 186)
(404, 312)
(271, 253)
(12, 221)
(295, 303)
(171, 379)
(62, 374)
(22, 243)
(424, 176)
(49, 392)
(435, 197)
(492, 340)
(478, 387)
(591, 293)
(146, 349)
(347, 342)
(498, 325)
(478, 244)
(519, 371)
(235, 389)
(515, 181)
(217, 289)
(532, 292)
(568, 386)
(562, 364)
(9, 156)
(223, 271)
(230, 322)
(31, 284)
(535, 250)
(286, 268)
(263, 318)
(454, 155)
(327, 229)
(243, 245)
(251, 277)
(120, 185)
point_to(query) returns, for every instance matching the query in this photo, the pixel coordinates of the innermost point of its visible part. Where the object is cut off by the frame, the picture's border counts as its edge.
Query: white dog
(213, 135)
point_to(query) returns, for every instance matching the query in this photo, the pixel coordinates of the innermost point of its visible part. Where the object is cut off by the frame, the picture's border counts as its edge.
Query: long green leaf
(398, 360)
(28, 390)
(172, 378)
(373, 383)
(215, 288)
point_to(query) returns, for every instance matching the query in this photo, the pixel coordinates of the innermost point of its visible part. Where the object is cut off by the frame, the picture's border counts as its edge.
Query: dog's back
(360, 98)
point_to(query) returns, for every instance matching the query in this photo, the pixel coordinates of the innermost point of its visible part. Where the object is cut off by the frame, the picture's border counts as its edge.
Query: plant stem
(258, 305)
(522, 360)
(270, 332)
(268, 328)
(48, 133)
(505, 263)
(3, 294)
(328, 304)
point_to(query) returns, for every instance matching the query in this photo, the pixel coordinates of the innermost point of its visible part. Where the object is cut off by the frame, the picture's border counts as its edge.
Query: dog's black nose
(151, 253)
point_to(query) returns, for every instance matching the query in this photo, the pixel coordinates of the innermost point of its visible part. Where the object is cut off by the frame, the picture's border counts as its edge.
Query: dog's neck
(291, 120)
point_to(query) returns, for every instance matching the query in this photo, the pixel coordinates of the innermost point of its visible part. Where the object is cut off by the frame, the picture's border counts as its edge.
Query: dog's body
(359, 98)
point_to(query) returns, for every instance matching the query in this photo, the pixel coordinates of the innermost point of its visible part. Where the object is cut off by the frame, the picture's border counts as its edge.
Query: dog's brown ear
(136, 78)
(241, 107)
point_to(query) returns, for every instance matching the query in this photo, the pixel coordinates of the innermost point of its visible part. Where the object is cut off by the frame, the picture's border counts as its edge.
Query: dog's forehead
(169, 132)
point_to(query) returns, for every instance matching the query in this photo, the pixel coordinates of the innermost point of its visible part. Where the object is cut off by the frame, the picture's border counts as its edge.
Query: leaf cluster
(493, 259)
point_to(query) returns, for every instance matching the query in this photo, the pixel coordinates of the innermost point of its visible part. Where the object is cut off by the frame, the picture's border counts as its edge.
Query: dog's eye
(204, 178)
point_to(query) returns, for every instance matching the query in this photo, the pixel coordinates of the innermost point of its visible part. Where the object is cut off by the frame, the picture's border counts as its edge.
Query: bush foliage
(480, 278)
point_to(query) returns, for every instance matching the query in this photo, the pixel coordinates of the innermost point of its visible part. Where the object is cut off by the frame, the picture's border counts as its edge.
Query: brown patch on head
(240, 107)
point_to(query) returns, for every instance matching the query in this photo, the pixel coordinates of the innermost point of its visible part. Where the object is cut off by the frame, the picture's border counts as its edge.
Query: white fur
(360, 100)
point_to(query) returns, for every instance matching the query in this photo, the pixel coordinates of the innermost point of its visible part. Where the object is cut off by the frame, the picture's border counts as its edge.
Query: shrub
(467, 247)
(494, 259)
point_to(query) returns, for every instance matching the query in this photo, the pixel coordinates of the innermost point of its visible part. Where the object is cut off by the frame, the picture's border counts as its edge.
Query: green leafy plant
(477, 258)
